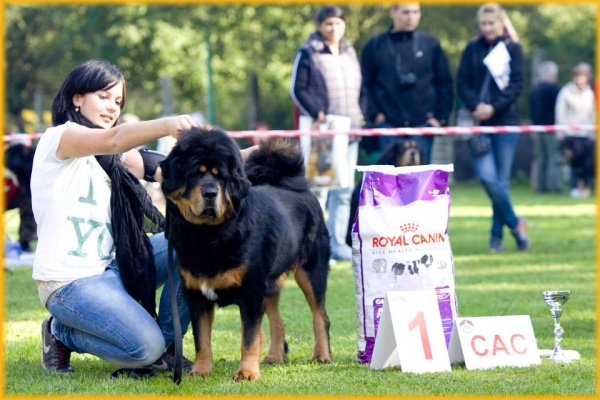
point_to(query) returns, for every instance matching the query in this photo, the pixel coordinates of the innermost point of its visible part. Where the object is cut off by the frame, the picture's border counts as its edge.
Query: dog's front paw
(322, 358)
(246, 375)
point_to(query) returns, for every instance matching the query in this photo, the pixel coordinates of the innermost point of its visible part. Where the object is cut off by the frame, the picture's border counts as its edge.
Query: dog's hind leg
(278, 346)
(314, 285)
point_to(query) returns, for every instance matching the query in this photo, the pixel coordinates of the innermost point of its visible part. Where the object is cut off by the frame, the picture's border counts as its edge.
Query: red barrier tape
(574, 130)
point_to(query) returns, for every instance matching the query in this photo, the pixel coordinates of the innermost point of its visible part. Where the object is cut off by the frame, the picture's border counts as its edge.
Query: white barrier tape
(573, 130)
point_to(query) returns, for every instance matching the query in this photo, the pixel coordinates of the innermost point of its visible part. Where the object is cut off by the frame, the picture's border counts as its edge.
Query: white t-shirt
(576, 106)
(71, 205)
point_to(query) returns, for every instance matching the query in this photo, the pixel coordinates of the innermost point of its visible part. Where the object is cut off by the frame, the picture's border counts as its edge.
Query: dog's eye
(202, 169)
(214, 171)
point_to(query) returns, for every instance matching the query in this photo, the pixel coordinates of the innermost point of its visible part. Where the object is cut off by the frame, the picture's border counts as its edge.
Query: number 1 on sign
(410, 333)
(419, 321)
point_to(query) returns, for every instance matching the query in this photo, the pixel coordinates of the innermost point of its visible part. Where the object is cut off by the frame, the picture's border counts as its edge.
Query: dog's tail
(278, 162)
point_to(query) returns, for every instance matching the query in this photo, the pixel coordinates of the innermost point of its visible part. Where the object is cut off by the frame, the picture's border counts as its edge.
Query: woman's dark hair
(88, 77)
(328, 12)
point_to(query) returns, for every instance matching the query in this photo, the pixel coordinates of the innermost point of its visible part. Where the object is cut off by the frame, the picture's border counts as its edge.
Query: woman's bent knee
(149, 350)
(142, 345)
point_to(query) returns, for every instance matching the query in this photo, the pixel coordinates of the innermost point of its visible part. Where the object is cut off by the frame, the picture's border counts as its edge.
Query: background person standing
(575, 105)
(326, 79)
(495, 103)
(542, 102)
(407, 78)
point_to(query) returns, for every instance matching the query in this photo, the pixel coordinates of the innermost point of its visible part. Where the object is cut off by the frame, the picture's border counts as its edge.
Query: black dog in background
(401, 153)
(18, 163)
(579, 153)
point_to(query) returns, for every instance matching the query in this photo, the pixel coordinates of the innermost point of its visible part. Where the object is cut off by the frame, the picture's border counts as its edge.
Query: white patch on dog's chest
(208, 292)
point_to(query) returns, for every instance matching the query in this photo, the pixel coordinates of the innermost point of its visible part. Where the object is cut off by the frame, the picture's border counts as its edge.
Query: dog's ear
(169, 167)
(390, 154)
(239, 184)
(421, 153)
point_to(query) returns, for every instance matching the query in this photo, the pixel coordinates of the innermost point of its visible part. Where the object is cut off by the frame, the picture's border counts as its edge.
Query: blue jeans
(338, 208)
(96, 315)
(424, 141)
(547, 163)
(337, 204)
(494, 170)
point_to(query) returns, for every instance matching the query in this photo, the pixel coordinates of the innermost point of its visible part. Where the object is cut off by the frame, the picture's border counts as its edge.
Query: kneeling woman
(95, 267)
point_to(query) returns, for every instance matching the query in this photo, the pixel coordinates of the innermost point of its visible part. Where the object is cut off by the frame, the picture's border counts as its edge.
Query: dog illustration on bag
(411, 266)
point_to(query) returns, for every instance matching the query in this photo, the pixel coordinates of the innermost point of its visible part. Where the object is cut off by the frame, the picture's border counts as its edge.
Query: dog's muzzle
(209, 197)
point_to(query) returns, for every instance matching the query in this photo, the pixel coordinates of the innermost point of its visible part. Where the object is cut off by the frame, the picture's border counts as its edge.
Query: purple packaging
(400, 242)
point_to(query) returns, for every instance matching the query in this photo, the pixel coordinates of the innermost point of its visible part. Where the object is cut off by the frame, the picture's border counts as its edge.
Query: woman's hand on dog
(176, 125)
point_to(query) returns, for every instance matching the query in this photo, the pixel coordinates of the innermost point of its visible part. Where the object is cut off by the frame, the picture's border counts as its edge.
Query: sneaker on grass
(166, 362)
(55, 355)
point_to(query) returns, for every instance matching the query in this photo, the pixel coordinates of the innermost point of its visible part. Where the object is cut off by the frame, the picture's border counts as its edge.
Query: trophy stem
(556, 299)
(558, 334)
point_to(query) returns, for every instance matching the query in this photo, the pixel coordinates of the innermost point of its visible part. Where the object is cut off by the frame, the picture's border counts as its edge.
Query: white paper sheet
(498, 63)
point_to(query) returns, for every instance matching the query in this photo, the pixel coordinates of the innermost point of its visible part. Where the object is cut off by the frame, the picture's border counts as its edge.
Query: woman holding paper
(326, 80)
(489, 81)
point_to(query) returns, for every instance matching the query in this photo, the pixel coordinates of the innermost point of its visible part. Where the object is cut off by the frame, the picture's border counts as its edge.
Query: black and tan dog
(18, 163)
(238, 231)
(579, 154)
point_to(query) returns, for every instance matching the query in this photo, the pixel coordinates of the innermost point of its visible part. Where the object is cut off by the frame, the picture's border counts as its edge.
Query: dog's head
(18, 159)
(402, 153)
(203, 176)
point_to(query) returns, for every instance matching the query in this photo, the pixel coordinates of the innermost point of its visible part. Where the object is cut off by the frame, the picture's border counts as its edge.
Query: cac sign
(486, 342)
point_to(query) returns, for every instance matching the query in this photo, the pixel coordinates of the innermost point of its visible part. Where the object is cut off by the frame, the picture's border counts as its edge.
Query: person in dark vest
(326, 79)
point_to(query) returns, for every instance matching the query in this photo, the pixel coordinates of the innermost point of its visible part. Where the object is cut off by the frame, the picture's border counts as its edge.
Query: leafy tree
(151, 43)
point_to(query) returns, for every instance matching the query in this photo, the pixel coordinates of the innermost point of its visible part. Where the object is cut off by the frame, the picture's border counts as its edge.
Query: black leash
(177, 337)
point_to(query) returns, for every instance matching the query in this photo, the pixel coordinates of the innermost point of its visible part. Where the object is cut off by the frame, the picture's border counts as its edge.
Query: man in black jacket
(407, 78)
(542, 102)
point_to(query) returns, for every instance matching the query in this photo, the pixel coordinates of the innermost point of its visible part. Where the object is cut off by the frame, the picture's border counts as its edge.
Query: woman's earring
(76, 109)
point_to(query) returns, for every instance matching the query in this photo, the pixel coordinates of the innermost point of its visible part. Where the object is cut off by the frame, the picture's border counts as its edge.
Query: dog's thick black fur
(579, 153)
(237, 233)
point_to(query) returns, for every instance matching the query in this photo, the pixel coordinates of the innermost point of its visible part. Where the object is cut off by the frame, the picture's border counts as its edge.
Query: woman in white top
(576, 105)
(95, 267)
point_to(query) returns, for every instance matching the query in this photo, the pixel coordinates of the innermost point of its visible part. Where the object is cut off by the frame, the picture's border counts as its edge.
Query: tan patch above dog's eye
(202, 168)
(215, 171)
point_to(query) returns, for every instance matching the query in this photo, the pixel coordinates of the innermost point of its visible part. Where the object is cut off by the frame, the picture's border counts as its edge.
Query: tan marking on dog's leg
(203, 363)
(322, 350)
(250, 363)
(276, 352)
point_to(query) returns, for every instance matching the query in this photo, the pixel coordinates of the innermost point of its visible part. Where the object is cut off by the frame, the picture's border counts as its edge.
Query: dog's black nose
(209, 193)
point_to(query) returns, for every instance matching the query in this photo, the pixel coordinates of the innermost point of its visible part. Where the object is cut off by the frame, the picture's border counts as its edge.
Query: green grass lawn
(562, 256)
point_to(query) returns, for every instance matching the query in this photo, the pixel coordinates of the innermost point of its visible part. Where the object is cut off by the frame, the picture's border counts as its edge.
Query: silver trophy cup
(557, 298)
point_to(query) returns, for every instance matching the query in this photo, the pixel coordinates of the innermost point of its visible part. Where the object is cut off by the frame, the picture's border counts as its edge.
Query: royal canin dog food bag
(400, 242)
